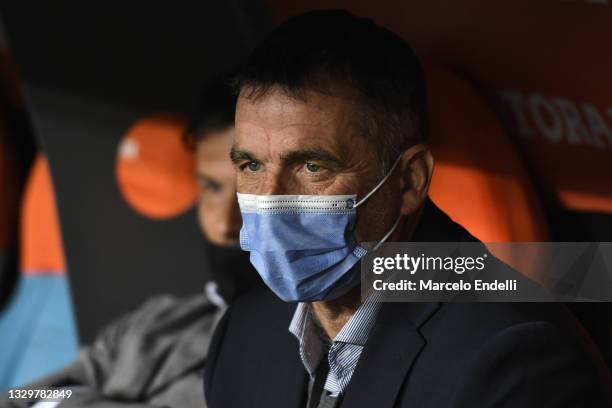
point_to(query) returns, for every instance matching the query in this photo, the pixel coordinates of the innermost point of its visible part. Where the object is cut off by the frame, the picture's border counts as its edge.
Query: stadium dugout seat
(479, 179)
(37, 330)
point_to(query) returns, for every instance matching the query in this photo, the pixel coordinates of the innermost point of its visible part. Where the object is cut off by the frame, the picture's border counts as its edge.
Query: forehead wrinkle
(316, 132)
(330, 116)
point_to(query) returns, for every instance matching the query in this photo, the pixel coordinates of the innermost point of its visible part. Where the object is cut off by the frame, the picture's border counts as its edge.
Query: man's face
(313, 146)
(218, 210)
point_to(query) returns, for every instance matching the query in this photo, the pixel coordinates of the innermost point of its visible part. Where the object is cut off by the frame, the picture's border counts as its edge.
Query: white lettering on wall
(541, 109)
(559, 120)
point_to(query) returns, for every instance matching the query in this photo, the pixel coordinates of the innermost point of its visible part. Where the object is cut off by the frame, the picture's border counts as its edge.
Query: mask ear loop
(380, 183)
(387, 235)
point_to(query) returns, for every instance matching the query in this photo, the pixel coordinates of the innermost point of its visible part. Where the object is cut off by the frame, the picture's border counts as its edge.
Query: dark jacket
(418, 354)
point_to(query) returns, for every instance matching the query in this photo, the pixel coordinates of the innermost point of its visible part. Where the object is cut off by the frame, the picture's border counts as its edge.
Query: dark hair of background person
(352, 51)
(214, 111)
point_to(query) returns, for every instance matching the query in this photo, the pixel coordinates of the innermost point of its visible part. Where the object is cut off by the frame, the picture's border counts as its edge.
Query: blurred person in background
(155, 355)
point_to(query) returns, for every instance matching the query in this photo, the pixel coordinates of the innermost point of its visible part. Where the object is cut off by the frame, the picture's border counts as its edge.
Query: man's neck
(333, 315)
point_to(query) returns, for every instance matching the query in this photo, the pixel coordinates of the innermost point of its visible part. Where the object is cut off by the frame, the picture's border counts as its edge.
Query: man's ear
(416, 168)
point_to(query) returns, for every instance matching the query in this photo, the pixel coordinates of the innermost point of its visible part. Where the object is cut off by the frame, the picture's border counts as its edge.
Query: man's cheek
(247, 184)
(375, 221)
(340, 184)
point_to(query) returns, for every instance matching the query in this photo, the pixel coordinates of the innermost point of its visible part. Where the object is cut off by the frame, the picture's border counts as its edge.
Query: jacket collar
(395, 341)
(390, 352)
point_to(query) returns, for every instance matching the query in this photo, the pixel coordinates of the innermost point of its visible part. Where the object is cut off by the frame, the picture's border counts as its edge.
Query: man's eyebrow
(318, 155)
(201, 177)
(238, 156)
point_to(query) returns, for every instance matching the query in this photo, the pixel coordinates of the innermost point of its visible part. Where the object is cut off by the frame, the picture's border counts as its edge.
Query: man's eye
(210, 186)
(253, 166)
(313, 168)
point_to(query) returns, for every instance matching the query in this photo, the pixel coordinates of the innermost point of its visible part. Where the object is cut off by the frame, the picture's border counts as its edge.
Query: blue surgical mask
(303, 246)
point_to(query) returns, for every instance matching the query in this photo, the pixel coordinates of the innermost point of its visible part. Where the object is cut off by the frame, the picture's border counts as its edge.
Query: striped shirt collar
(344, 350)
